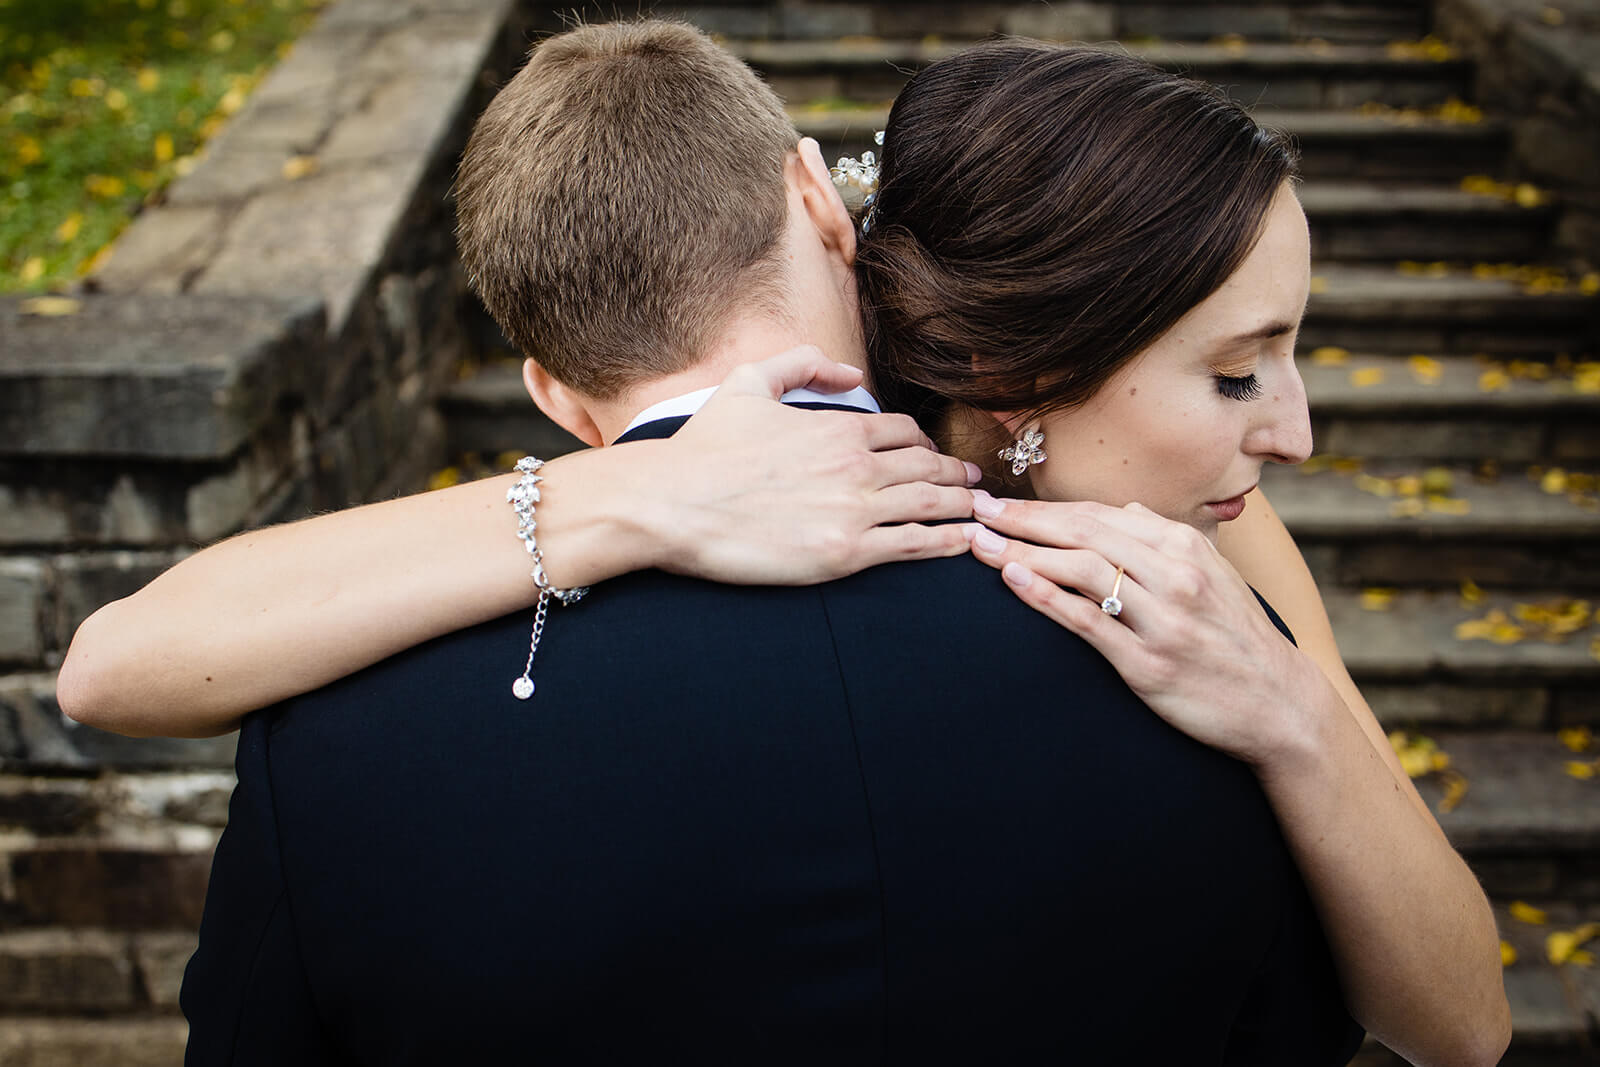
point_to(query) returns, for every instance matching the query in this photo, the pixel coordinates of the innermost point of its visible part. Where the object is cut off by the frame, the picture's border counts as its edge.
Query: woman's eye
(1246, 387)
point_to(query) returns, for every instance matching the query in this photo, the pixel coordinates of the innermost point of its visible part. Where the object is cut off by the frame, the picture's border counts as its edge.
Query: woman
(1138, 309)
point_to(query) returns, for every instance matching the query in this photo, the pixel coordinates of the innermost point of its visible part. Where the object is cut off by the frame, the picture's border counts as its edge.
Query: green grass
(103, 102)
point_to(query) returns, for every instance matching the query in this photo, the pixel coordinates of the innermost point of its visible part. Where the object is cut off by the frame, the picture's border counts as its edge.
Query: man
(897, 818)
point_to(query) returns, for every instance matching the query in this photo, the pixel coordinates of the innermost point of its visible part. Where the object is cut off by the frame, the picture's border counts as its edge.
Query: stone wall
(267, 342)
(1538, 64)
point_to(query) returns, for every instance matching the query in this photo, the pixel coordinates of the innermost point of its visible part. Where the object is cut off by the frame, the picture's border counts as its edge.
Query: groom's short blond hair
(620, 197)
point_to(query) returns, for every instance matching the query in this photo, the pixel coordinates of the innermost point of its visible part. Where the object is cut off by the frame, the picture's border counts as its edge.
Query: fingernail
(985, 506)
(1017, 575)
(989, 541)
(969, 530)
(974, 473)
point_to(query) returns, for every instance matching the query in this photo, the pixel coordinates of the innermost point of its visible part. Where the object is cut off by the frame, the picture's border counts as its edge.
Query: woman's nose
(1284, 435)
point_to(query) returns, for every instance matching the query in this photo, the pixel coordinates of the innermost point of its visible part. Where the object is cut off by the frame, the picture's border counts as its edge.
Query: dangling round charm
(522, 688)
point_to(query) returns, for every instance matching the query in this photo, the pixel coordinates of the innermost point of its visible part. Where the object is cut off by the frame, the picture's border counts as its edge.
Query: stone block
(1442, 705)
(398, 114)
(73, 884)
(89, 580)
(65, 970)
(228, 175)
(1548, 147)
(1462, 439)
(1062, 21)
(161, 959)
(49, 806)
(24, 605)
(92, 1042)
(30, 515)
(162, 247)
(821, 21)
(140, 375)
(1201, 22)
(1577, 706)
(318, 238)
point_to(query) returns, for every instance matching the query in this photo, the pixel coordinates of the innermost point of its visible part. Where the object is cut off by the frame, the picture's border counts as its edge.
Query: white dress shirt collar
(689, 403)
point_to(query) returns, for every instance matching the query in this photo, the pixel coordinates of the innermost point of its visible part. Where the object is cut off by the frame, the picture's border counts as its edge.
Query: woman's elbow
(85, 689)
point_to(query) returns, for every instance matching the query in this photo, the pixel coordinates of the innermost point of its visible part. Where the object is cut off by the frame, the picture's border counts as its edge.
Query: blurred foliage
(103, 102)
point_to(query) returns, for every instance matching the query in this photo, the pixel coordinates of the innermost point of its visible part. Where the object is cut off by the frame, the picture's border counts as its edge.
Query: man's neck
(748, 341)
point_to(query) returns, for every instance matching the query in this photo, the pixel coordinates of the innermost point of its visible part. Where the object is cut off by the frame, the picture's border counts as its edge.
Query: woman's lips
(1228, 510)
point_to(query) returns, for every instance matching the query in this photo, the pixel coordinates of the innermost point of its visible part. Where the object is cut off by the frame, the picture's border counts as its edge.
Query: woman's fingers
(1067, 523)
(1081, 569)
(1111, 638)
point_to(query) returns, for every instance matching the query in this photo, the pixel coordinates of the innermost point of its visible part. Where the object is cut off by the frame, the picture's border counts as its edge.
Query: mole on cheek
(1101, 441)
(1134, 391)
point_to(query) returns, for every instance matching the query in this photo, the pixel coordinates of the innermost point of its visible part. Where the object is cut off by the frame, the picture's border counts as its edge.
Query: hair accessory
(1027, 451)
(522, 497)
(1112, 605)
(862, 174)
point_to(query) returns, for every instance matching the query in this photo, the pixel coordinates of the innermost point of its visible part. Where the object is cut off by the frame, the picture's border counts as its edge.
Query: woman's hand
(1191, 640)
(753, 492)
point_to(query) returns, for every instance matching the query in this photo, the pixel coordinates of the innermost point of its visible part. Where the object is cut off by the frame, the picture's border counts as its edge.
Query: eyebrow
(1270, 330)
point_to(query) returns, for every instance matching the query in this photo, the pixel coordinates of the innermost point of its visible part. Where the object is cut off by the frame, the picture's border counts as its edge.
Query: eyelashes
(1245, 387)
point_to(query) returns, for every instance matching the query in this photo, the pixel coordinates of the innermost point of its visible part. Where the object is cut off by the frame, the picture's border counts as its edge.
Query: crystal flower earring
(1026, 452)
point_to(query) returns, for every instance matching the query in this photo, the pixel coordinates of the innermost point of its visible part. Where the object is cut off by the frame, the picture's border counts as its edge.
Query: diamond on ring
(1111, 606)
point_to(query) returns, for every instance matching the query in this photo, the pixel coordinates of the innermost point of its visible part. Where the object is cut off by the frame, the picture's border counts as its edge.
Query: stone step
(91, 970)
(1386, 525)
(1271, 74)
(48, 1042)
(1333, 144)
(149, 881)
(1180, 20)
(1529, 829)
(1387, 310)
(1402, 647)
(1390, 221)
(1451, 409)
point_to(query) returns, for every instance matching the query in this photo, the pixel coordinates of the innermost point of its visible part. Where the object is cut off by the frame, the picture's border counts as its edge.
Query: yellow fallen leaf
(116, 100)
(1528, 195)
(297, 167)
(1319, 284)
(51, 306)
(1409, 507)
(163, 148)
(1426, 369)
(68, 230)
(1579, 769)
(1554, 481)
(1576, 738)
(148, 78)
(1376, 598)
(445, 478)
(1561, 946)
(32, 270)
(1367, 483)
(1316, 464)
(231, 101)
(1493, 381)
(1508, 955)
(1470, 592)
(221, 41)
(1589, 284)
(104, 186)
(1455, 785)
(1330, 356)
(1365, 377)
(1449, 505)
(1527, 913)
(1346, 465)
(1408, 485)
(1552, 16)
(1438, 480)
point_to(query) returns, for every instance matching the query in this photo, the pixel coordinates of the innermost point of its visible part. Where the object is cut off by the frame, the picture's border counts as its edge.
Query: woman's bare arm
(1412, 935)
(749, 491)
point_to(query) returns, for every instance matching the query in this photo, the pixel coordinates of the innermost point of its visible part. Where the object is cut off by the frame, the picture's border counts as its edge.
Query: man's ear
(824, 204)
(565, 406)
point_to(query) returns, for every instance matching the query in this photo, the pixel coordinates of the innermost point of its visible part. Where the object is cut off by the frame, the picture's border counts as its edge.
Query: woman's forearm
(276, 612)
(1412, 935)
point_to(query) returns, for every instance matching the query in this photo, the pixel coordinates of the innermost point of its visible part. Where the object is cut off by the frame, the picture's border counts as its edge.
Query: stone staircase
(1448, 353)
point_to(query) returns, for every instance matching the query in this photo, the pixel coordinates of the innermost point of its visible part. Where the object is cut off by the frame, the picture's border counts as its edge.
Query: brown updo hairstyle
(1044, 213)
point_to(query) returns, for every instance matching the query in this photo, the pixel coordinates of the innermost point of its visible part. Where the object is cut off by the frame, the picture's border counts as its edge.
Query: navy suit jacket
(896, 819)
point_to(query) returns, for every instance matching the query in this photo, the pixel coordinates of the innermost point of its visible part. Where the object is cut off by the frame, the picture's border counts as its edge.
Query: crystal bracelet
(522, 498)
